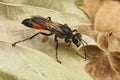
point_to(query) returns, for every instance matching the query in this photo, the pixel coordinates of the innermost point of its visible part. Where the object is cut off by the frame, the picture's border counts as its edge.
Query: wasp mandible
(62, 31)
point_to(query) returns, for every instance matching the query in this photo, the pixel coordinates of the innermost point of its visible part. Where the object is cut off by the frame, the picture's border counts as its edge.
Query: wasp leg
(68, 41)
(49, 18)
(56, 47)
(74, 30)
(46, 34)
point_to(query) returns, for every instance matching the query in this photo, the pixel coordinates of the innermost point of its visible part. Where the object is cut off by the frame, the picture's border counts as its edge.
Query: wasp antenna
(85, 42)
(84, 51)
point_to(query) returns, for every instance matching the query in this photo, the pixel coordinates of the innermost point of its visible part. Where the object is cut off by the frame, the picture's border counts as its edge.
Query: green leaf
(24, 63)
(33, 59)
(28, 64)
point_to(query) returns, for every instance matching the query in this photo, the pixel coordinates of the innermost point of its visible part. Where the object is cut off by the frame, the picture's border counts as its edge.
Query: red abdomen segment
(40, 27)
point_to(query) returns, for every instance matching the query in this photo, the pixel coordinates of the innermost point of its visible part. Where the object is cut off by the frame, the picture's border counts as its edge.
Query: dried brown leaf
(91, 7)
(107, 17)
(102, 65)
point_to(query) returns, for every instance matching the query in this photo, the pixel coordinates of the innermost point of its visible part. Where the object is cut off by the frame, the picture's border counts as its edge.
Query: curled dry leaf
(91, 7)
(105, 31)
(102, 65)
(107, 17)
(109, 11)
(108, 41)
(104, 14)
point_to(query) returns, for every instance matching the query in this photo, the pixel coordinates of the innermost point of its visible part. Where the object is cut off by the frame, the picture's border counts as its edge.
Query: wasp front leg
(68, 41)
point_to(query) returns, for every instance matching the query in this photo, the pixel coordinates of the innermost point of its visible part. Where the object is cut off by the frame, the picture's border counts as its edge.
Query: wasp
(62, 31)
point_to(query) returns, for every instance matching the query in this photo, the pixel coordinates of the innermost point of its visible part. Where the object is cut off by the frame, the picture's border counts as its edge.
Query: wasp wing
(58, 29)
(39, 20)
(47, 23)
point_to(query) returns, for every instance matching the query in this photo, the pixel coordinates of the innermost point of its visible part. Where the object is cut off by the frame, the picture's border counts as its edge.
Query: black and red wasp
(62, 31)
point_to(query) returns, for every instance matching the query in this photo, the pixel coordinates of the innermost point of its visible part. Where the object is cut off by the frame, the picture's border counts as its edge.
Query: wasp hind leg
(46, 34)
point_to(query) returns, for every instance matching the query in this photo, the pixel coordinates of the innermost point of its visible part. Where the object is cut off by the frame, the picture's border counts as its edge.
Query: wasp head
(27, 22)
(76, 39)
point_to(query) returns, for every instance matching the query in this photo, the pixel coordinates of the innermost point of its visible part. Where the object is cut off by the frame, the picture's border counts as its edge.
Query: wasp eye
(27, 22)
(76, 39)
